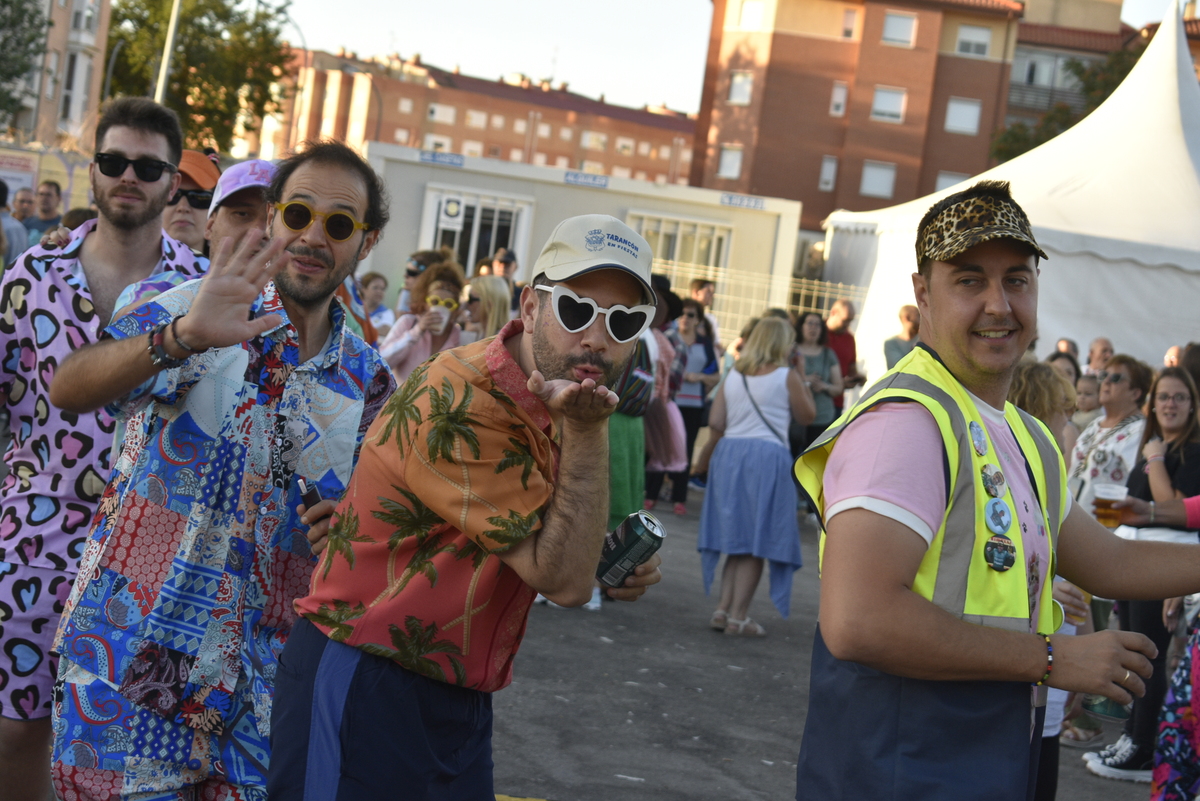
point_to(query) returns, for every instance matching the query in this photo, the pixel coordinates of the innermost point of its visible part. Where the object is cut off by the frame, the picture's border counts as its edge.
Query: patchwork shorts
(31, 602)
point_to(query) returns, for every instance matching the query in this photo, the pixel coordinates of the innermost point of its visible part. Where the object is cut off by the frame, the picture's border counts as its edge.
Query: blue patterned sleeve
(166, 387)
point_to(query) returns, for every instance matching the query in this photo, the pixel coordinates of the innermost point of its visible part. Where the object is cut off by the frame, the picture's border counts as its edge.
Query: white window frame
(516, 154)
(895, 41)
(877, 170)
(741, 87)
(520, 125)
(473, 148)
(441, 112)
(543, 130)
(730, 156)
(539, 159)
(669, 237)
(402, 136)
(828, 177)
(438, 143)
(624, 146)
(618, 171)
(849, 23)
(886, 114)
(592, 167)
(562, 162)
(947, 179)
(477, 119)
(971, 38)
(565, 134)
(405, 105)
(521, 207)
(593, 140)
(839, 99)
(643, 149)
(497, 121)
(959, 110)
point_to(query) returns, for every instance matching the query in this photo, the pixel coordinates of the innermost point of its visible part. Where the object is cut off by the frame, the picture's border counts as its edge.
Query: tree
(1095, 82)
(22, 43)
(225, 67)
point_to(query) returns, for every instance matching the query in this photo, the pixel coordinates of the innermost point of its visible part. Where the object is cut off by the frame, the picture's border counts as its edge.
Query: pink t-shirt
(891, 461)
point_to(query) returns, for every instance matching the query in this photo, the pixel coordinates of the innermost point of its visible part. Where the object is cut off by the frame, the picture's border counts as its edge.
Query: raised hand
(584, 402)
(220, 314)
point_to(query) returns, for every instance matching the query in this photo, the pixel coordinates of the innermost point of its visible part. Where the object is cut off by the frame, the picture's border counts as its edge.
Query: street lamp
(346, 67)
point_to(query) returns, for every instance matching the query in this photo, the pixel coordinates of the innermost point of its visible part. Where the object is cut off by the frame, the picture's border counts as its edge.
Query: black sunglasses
(472, 299)
(148, 170)
(196, 198)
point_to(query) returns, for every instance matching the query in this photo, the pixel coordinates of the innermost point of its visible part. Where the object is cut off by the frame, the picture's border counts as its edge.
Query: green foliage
(519, 456)
(23, 28)
(401, 409)
(227, 60)
(1096, 82)
(512, 529)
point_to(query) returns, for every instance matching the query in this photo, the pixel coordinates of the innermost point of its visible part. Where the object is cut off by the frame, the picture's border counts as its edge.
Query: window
(562, 162)
(51, 75)
(690, 241)
(439, 112)
(593, 140)
(640, 175)
(438, 143)
(837, 101)
(87, 85)
(962, 116)
(520, 126)
(624, 146)
(828, 173)
(497, 121)
(741, 82)
(899, 29)
(593, 167)
(945, 179)
(401, 136)
(565, 134)
(539, 159)
(77, 19)
(543, 130)
(664, 152)
(849, 23)
(888, 104)
(473, 148)
(751, 16)
(730, 165)
(516, 154)
(685, 154)
(406, 105)
(487, 221)
(643, 148)
(68, 86)
(493, 151)
(973, 40)
(621, 172)
(878, 179)
(477, 119)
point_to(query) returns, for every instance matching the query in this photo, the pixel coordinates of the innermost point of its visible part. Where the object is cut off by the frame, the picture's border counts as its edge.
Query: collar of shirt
(511, 379)
(174, 254)
(269, 302)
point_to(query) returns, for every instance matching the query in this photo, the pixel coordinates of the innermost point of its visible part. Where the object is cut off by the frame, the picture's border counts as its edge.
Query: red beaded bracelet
(1049, 660)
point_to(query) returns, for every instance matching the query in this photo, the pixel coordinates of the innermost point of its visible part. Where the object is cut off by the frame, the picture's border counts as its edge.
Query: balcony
(1043, 98)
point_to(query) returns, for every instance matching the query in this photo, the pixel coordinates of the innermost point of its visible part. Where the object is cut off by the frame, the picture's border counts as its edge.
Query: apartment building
(406, 102)
(63, 91)
(852, 104)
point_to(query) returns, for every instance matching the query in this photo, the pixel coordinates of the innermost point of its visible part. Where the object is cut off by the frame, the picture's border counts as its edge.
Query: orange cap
(199, 168)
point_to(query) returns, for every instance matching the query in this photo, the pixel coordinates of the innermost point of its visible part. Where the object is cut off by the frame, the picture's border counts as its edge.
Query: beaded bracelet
(1049, 659)
(1150, 461)
(158, 350)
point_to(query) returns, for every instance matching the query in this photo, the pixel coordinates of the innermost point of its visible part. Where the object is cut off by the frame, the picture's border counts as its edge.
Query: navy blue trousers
(350, 726)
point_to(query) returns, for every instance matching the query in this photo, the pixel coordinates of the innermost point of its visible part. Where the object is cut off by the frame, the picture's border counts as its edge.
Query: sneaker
(594, 604)
(1126, 764)
(1107, 751)
(698, 482)
(680, 509)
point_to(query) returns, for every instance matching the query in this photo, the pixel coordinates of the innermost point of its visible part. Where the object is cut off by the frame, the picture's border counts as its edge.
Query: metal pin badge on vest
(978, 438)
(998, 516)
(1000, 553)
(993, 481)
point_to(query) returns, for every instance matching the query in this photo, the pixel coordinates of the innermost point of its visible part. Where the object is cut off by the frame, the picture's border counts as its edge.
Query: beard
(131, 219)
(312, 292)
(558, 366)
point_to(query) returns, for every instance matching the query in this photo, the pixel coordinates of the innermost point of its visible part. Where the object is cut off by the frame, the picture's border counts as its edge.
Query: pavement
(644, 701)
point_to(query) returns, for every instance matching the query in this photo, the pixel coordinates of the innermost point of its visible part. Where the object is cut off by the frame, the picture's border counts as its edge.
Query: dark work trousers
(1145, 617)
(692, 416)
(1047, 772)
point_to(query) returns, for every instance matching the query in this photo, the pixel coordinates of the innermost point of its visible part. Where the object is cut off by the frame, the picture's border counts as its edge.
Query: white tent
(1114, 202)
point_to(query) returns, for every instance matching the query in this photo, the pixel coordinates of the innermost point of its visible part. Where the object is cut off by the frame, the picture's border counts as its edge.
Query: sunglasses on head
(434, 300)
(575, 314)
(298, 215)
(148, 170)
(196, 198)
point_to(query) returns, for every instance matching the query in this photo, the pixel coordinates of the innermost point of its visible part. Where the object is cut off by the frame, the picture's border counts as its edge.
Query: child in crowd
(1087, 401)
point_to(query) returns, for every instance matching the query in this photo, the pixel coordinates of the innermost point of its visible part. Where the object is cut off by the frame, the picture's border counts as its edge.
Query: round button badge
(1000, 553)
(978, 438)
(998, 516)
(993, 481)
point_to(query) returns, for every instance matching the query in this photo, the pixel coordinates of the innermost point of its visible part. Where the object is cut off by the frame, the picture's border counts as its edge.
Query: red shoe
(680, 509)
(648, 504)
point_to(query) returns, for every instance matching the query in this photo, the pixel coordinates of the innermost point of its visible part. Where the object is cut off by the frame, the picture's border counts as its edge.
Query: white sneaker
(1125, 764)
(594, 604)
(1123, 742)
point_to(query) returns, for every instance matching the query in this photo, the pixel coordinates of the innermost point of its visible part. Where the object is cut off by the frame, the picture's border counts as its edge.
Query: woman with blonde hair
(1044, 392)
(749, 509)
(487, 306)
(432, 326)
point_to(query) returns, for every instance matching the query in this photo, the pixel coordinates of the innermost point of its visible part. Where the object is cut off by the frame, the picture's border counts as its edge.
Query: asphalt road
(644, 701)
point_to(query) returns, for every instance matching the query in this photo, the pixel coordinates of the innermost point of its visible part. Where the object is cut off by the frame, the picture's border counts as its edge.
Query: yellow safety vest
(955, 572)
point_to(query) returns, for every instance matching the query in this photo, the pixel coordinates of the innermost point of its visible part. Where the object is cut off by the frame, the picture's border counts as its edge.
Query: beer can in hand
(627, 546)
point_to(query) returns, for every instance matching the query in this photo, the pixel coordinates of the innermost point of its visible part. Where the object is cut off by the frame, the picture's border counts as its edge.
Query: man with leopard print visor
(945, 518)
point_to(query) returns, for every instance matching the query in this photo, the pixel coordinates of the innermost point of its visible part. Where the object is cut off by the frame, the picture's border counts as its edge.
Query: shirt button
(262, 510)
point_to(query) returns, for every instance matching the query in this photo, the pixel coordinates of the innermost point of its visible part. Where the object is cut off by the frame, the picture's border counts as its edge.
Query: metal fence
(740, 297)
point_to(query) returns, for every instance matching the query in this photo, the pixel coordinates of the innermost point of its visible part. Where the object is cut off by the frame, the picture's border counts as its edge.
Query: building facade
(405, 102)
(63, 90)
(852, 105)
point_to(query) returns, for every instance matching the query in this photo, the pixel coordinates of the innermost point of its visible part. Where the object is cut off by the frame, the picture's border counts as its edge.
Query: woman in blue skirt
(750, 505)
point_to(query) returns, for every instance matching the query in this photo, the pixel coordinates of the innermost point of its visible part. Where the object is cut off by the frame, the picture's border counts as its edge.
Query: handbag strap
(761, 416)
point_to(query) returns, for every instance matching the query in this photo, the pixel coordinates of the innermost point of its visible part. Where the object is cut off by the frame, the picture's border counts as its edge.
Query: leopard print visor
(965, 224)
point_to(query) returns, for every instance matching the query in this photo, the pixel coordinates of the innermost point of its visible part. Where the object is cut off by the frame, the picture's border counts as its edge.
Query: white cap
(595, 242)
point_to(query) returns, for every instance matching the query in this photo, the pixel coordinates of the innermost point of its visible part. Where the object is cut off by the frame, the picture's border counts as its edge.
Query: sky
(635, 52)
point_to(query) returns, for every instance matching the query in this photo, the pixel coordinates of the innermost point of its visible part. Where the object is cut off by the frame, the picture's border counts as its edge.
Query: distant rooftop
(1076, 38)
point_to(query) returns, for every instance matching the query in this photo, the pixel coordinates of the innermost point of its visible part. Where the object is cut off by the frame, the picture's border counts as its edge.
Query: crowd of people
(266, 535)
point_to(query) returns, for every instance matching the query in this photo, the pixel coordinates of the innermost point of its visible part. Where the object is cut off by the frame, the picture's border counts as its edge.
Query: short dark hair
(54, 185)
(338, 154)
(3, 193)
(999, 190)
(143, 114)
(1059, 355)
(699, 283)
